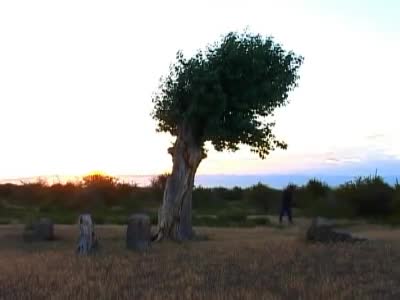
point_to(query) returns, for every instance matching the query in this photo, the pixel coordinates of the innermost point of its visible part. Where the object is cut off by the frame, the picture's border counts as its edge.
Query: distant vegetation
(112, 202)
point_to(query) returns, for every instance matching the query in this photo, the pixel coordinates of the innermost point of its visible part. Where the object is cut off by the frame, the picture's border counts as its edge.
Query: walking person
(287, 199)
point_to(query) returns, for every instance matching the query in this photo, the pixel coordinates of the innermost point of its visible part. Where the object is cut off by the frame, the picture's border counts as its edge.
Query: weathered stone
(39, 230)
(322, 230)
(138, 232)
(87, 242)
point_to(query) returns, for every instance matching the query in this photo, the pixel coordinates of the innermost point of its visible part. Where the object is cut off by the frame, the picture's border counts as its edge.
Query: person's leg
(289, 213)
(282, 212)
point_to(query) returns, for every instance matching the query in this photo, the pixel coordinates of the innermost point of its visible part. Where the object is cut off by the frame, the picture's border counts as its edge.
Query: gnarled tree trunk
(175, 214)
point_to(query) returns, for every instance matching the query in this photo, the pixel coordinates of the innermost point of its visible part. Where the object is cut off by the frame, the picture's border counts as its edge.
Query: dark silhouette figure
(286, 208)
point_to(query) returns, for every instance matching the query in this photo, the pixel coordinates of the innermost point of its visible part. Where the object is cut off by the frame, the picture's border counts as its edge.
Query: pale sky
(76, 80)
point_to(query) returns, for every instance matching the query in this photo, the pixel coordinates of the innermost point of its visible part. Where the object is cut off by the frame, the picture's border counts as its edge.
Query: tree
(99, 188)
(223, 95)
(98, 180)
(159, 182)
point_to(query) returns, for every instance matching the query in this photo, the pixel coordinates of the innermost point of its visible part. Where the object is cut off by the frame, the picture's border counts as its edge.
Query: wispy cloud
(375, 136)
(339, 161)
(332, 160)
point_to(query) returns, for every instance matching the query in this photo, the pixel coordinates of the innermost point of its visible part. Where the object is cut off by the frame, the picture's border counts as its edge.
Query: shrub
(158, 184)
(317, 188)
(4, 221)
(204, 200)
(232, 218)
(209, 221)
(262, 196)
(258, 220)
(330, 207)
(6, 190)
(225, 194)
(369, 196)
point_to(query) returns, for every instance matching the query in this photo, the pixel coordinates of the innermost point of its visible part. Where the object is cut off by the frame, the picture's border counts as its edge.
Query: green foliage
(396, 198)
(317, 198)
(370, 196)
(225, 93)
(261, 221)
(99, 180)
(159, 182)
(4, 221)
(317, 188)
(6, 190)
(98, 188)
(263, 197)
(227, 194)
(329, 207)
(230, 219)
(209, 221)
(207, 200)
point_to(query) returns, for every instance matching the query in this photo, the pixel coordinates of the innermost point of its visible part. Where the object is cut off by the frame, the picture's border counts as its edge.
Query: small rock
(322, 230)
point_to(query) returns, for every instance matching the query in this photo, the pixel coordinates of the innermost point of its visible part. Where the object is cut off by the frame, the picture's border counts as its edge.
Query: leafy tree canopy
(225, 92)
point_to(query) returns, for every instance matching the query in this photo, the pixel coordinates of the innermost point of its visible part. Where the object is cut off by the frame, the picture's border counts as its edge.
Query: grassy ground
(234, 263)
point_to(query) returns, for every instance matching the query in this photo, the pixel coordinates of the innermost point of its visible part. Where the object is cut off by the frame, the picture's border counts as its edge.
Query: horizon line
(305, 174)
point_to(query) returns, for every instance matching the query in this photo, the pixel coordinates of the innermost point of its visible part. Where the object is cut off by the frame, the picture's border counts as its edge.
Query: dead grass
(258, 263)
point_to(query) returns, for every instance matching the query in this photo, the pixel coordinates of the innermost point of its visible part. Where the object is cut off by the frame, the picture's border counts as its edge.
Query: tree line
(110, 201)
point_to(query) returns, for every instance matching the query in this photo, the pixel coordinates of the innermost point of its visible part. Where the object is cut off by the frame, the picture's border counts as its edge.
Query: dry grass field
(256, 263)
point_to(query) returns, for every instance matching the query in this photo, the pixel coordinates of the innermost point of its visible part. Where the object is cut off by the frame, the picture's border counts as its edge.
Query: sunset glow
(96, 173)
